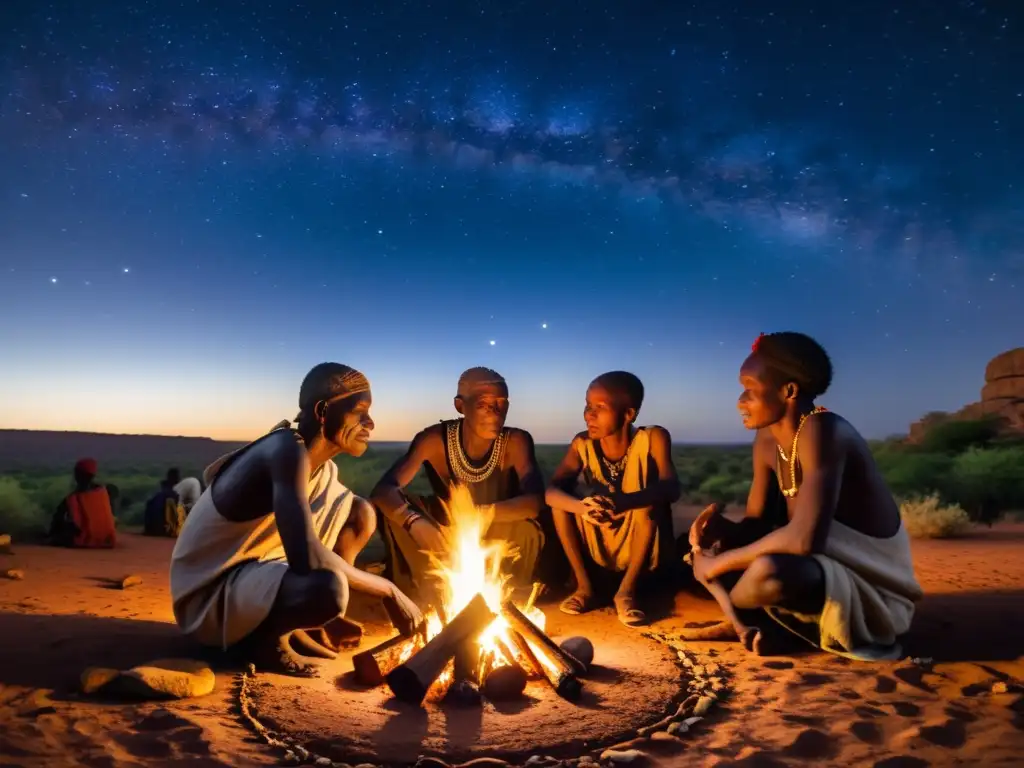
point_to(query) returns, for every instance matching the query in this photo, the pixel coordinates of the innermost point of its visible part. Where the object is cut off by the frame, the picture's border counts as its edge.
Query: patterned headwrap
(331, 381)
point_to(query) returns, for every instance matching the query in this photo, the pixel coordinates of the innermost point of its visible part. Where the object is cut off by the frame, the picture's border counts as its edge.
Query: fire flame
(472, 566)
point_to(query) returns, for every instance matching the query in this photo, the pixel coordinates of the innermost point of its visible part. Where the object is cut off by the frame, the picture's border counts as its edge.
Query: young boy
(838, 572)
(620, 521)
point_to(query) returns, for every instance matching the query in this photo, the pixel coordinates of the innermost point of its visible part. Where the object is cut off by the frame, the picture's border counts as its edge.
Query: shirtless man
(497, 464)
(266, 559)
(843, 532)
(621, 520)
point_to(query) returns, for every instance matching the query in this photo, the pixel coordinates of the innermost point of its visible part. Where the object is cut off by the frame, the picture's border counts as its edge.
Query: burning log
(371, 666)
(411, 681)
(559, 668)
(527, 653)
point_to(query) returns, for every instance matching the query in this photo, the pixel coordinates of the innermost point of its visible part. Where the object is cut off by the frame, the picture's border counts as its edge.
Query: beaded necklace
(790, 492)
(462, 468)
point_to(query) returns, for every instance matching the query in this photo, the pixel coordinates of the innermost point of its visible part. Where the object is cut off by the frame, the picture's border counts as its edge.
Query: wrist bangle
(410, 518)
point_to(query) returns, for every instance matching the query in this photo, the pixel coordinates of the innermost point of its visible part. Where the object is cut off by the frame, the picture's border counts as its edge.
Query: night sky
(199, 201)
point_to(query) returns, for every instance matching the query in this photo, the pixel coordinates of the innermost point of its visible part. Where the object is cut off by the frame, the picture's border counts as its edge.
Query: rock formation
(1002, 397)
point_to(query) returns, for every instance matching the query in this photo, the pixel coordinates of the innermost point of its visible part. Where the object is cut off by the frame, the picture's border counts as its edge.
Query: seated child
(838, 571)
(620, 520)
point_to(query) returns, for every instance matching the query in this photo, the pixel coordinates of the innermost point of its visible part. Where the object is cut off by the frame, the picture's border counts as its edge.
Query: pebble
(505, 682)
(686, 708)
(323, 761)
(626, 756)
(484, 762)
(15, 574)
(290, 758)
(366, 765)
(580, 648)
(302, 752)
(586, 759)
(703, 706)
(130, 581)
(431, 762)
(712, 668)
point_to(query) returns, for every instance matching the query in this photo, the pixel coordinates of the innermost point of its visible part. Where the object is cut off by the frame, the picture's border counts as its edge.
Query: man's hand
(703, 566)
(600, 510)
(403, 612)
(697, 529)
(428, 536)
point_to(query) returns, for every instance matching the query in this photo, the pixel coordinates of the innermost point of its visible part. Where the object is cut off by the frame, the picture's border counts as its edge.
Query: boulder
(1008, 364)
(1008, 387)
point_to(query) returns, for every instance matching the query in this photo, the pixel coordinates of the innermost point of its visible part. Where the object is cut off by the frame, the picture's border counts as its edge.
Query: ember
(475, 627)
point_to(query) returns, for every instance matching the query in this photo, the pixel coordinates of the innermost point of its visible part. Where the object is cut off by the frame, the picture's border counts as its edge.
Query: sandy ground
(66, 615)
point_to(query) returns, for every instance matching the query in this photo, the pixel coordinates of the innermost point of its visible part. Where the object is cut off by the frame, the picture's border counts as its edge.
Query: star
(126, 270)
(543, 325)
(492, 342)
(53, 279)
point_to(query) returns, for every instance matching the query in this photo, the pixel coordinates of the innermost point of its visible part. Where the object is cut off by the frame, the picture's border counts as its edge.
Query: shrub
(957, 436)
(929, 518)
(723, 489)
(19, 514)
(989, 481)
(914, 474)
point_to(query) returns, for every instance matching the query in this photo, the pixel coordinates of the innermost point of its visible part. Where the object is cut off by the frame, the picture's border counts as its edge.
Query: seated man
(164, 514)
(623, 524)
(496, 463)
(269, 550)
(838, 573)
(84, 518)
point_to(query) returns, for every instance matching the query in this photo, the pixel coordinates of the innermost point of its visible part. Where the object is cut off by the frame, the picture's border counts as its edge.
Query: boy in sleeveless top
(838, 572)
(611, 497)
(496, 463)
(266, 558)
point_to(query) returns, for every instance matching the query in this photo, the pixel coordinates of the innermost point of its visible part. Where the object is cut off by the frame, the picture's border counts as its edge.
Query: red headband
(757, 343)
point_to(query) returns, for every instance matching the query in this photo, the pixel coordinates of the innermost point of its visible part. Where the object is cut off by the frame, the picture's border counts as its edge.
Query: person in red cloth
(85, 517)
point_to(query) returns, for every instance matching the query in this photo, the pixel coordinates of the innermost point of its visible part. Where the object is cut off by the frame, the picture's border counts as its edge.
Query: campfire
(475, 635)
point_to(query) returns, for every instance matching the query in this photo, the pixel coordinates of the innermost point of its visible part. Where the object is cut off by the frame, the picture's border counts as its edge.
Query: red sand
(814, 709)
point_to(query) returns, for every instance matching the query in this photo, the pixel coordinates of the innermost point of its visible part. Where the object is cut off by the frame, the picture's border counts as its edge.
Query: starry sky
(200, 201)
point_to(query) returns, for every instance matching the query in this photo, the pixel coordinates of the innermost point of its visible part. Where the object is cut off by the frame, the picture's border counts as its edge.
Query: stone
(1006, 365)
(323, 761)
(485, 762)
(431, 762)
(366, 765)
(130, 581)
(302, 752)
(15, 574)
(463, 693)
(5, 543)
(625, 756)
(685, 709)
(703, 706)
(580, 648)
(95, 678)
(173, 678)
(586, 759)
(505, 682)
(290, 758)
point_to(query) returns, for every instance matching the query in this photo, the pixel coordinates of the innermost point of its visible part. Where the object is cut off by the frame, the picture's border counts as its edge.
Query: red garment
(91, 514)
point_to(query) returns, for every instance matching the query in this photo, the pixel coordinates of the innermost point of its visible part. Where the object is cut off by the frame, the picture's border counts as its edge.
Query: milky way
(792, 126)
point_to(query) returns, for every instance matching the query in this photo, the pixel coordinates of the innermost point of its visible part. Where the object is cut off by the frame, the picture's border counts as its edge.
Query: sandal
(577, 604)
(628, 613)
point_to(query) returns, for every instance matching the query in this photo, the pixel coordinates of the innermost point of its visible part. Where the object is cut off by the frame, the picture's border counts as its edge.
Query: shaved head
(476, 379)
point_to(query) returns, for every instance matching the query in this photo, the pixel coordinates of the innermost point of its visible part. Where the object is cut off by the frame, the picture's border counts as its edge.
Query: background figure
(84, 517)
(189, 490)
(164, 513)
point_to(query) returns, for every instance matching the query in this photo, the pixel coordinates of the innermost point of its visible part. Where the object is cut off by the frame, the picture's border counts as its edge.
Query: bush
(19, 514)
(915, 474)
(929, 518)
(957, 436)
(723, 489)
(989, 481)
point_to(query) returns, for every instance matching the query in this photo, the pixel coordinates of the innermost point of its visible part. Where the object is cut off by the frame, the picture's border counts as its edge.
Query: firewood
(410, 681)
(372, 665)
(562, 671)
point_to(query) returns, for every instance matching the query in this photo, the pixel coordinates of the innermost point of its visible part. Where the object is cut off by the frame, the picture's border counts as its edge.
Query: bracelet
(410, 518)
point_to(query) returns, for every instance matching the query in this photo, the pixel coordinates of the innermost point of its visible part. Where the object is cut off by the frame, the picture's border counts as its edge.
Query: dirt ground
(967, 707)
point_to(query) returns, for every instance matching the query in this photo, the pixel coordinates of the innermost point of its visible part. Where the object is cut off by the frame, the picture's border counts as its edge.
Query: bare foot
(309, 642)
(722, 631)
(340, 633)
(762, 643)
(277, 656)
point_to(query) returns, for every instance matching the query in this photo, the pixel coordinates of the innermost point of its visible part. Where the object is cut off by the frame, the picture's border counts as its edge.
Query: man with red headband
(838, 571)
(84, 518)
(266, 558)
(496, 463)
